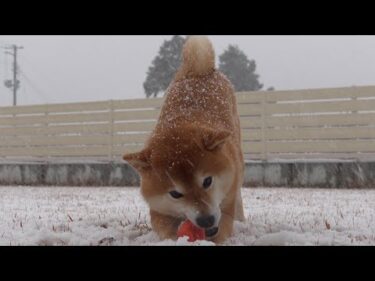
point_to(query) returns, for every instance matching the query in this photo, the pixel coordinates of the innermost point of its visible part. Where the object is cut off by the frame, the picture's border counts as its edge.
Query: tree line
(233, 62)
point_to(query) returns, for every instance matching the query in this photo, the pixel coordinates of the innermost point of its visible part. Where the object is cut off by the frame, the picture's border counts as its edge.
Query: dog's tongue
(194, 233)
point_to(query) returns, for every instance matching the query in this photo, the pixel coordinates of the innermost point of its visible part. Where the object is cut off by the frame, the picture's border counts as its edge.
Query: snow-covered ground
(119, 216)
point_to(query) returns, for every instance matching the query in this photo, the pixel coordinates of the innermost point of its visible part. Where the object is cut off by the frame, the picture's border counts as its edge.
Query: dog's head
(186, 173)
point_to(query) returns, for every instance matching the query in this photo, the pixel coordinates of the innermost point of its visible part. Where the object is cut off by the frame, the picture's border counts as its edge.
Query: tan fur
(198, 58)
(198, 133)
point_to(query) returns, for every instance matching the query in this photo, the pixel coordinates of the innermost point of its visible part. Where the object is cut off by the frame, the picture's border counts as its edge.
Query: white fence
(301, 124)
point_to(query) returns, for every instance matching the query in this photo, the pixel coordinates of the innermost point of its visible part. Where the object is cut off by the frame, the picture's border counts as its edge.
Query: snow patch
(119, 216)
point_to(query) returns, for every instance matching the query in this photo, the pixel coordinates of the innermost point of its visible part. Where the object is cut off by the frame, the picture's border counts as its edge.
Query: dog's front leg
(165, 226)
(226, 222)
(225, 229)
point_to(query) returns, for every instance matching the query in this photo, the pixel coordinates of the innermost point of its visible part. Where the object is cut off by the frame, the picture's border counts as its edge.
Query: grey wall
(320, 175)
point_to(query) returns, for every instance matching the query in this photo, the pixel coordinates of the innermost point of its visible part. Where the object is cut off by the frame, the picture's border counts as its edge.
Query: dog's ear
(214, 139)
(139, 160)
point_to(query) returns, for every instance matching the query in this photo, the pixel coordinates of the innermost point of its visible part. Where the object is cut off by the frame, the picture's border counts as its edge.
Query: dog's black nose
(206, 221)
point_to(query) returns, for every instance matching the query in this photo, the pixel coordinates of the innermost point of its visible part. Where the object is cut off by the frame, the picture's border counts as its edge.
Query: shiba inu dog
(192, 165)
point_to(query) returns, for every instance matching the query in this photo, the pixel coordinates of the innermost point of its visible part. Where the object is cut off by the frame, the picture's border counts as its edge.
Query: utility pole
(15, 84)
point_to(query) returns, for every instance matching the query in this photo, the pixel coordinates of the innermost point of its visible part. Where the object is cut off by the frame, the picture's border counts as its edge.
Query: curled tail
(198, 58)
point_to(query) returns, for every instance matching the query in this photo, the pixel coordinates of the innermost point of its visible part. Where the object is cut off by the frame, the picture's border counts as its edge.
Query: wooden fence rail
(329, 123)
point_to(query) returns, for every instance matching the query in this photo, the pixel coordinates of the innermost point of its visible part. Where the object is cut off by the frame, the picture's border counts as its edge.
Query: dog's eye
(207, 182)
(175, 194)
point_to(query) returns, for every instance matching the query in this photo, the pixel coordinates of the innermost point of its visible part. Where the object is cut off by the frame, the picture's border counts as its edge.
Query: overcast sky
(60, 69)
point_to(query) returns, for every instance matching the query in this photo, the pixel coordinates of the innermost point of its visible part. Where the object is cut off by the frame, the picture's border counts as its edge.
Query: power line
(34, 86)
(5, 65)
(46, 78)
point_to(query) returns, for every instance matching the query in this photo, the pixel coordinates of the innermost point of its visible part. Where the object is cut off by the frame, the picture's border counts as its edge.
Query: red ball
(194, 233)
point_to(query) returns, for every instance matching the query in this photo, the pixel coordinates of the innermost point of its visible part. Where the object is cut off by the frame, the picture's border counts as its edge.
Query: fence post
(264, 139)
(46, 116)
(46, 125)
(354, 98)
(111, 129)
